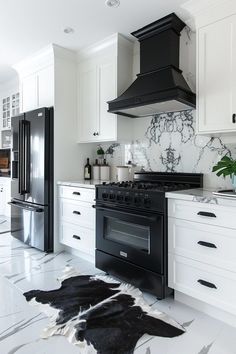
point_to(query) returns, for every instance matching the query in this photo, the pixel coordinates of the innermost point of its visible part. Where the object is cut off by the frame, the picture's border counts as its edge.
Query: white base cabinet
(77, 218)
(201, 252)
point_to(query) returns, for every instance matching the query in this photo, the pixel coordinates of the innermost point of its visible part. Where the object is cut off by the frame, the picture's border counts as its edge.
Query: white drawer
(80, 194)
(194, 278)
(205, 243)
(203, 213)
(82, 214)
(78, 237)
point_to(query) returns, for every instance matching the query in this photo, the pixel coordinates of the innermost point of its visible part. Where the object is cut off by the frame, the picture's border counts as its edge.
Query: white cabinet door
(46, 87)
(29, 93)
(107, 87)
(88, 128)
(217, 77)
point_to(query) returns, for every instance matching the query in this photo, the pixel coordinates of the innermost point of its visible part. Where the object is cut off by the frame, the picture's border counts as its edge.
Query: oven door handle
(152, 218)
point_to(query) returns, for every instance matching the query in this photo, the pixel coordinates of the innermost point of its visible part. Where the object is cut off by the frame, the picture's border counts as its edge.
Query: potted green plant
(226, 167)
(100, 153)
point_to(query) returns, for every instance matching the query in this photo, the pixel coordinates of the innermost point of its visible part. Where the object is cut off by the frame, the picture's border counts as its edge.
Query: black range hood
(160, 86)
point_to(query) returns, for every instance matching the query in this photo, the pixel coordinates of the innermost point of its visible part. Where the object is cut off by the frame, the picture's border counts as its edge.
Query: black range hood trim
(168, 22)
(160, 79)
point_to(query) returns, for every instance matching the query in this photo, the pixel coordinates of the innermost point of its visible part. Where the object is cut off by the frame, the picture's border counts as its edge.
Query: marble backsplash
(167, 142)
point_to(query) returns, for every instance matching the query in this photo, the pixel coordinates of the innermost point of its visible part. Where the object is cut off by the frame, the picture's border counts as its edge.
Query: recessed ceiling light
(68, 30)
(112, 3)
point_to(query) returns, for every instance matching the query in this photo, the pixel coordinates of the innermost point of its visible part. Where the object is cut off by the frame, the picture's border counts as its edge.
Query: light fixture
(68, 30)
(112, 3)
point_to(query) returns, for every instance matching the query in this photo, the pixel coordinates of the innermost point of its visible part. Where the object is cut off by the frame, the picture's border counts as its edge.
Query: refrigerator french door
(32, 178)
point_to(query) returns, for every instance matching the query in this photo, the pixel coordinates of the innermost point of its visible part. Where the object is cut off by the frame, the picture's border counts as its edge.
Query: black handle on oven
(126, 213)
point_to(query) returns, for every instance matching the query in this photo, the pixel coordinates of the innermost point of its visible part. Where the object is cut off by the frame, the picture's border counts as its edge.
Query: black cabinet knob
(234, 118)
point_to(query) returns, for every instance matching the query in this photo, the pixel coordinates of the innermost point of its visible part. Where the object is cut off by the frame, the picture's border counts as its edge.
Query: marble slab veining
(202, 196)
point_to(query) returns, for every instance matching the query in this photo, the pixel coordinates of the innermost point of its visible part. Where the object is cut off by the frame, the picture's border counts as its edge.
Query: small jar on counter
(96, 171)
(105, 171)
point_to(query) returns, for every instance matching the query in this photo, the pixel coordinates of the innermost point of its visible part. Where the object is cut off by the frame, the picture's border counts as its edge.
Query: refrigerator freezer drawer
(30, 224)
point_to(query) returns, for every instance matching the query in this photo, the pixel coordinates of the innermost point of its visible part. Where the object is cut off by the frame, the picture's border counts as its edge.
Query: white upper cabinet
(45, 86)
(217, 77)
(215, 25)
(36, 76)
(104, 71)
(88, 125)
(28, 89)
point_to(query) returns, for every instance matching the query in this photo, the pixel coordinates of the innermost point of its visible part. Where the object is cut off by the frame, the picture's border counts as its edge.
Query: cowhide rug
(100, 315)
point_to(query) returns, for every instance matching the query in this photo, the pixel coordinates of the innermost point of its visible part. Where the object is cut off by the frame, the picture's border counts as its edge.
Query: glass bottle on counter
(87, 171)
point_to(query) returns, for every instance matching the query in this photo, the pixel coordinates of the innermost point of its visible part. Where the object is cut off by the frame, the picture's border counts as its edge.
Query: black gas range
(131, 227)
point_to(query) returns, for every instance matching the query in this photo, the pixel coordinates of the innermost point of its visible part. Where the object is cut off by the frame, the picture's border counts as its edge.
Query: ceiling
(28, 25)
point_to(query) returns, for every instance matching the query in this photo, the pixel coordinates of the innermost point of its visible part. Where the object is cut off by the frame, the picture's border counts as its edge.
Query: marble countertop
(81, 183)
(203, 196)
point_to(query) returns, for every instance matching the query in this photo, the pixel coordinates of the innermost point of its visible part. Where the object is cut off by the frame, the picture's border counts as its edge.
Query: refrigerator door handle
(29, 208)
(26, 156)
(21, 158)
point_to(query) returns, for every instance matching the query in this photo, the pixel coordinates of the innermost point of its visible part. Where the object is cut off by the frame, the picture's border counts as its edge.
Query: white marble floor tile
(23, 268)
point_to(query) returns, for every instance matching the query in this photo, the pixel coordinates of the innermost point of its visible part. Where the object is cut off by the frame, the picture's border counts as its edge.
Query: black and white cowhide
(100, 315)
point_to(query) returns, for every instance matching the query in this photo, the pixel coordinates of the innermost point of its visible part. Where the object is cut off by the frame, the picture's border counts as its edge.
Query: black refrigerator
(32, 178)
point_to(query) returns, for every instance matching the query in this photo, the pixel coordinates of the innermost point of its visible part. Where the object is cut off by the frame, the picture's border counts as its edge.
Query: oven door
(135, 236)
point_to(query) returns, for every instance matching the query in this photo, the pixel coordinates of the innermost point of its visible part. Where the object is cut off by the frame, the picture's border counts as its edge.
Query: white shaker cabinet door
(88, 127)
(46, 87)
(217, 77)
(107, 91)
(29, 93)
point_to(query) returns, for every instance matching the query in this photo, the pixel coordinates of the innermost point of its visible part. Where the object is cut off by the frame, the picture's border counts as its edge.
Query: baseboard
(206, 308)
(80, 254)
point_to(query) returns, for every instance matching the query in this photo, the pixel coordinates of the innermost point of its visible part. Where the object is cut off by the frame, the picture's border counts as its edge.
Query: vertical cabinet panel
(29, 93)
(88, 127)
(217, 76)
(37, 90)
(45, 87)
(107, 91)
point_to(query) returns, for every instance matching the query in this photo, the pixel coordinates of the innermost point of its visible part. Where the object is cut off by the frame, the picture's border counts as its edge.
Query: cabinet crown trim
(109, 43)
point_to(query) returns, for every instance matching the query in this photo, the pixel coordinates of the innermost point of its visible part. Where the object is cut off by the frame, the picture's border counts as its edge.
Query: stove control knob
(147, 202)
(104, 195)
(127, 199)
(137, 200)
(120, 198)
(112, 196)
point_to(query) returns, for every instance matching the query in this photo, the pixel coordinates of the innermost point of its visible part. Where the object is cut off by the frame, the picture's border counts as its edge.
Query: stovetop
(159, 187)
(147, 191)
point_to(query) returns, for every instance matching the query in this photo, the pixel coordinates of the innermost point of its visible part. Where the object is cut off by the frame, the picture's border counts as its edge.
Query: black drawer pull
(207, 244)
(207, 284)
(76, 193)
(77, 237)
(76, 212)
(234, 118)
(206, 213)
